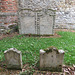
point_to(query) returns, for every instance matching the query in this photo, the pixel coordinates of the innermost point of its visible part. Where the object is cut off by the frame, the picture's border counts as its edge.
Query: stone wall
(8, 8)
(65, 15)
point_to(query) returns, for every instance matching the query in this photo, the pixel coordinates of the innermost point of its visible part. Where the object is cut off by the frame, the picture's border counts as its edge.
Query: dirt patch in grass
(66, 70)
(5, 71)
(9, 72)
(52, 36)
(7, 35)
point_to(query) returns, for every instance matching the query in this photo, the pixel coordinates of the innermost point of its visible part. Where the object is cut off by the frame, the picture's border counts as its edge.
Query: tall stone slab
(13, 58)
(51, 59)
(36, 17)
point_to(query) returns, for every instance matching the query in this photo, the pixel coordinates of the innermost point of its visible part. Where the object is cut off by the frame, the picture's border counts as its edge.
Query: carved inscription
(35, 17)
(37, 23)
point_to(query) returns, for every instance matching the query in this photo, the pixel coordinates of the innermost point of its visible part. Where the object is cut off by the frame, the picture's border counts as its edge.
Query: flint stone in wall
(37, 4)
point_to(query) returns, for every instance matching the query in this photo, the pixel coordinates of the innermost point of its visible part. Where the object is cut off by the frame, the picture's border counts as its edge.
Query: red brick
(8, 6)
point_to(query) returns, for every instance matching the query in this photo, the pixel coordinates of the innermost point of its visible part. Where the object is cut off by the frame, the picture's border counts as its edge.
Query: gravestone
(13, 58)
(36, 17)
(51, 59)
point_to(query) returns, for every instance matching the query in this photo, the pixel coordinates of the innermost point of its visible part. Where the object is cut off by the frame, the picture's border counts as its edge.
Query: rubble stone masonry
(65, 15)
(7, 7)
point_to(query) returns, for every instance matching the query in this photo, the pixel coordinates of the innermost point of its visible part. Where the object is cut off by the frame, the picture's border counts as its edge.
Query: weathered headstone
(36, 17)
(51, 59)
(13, 58)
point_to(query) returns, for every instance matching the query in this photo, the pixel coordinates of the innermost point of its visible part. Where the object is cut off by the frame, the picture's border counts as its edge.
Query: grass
(30, 46)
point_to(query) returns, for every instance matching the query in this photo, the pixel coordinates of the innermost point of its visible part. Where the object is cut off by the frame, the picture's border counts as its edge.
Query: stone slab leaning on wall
(36, 17)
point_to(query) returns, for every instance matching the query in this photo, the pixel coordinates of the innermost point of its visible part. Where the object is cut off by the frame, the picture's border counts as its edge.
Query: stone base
(38, 35)
(14, 67)
(52, 69)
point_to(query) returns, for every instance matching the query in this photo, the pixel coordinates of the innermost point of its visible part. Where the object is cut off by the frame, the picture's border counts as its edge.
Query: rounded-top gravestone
(13, 58)
(36, 17)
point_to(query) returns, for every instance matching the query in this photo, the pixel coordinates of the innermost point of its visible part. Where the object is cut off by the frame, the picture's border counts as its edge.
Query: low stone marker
(13, 58)
(51, 59)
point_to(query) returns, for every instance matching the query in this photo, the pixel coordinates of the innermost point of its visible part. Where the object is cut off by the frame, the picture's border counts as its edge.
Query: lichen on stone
(50, 49)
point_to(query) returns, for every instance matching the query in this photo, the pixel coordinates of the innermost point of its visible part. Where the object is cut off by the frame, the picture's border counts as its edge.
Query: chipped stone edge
(12, 49)
(60, 51)
(42, 51)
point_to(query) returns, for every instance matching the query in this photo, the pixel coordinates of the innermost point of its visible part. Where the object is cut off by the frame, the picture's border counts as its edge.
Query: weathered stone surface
(13, 58)
(2, 29)
(51, 59)
(10, 28)
(37, 4)
(65, 15)
(36, 17)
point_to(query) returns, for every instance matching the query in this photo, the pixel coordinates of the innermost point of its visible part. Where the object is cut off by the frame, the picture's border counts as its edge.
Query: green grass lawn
(30, 46)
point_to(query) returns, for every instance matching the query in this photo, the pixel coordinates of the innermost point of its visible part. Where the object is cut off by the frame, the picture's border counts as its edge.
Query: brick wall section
(8, 6)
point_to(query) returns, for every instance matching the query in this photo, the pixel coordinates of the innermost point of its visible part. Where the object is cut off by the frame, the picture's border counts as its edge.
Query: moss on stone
(52, 69)
(50, 49)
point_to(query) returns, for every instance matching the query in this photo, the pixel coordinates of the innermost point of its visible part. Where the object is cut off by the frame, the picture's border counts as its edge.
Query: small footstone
(13, 58)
